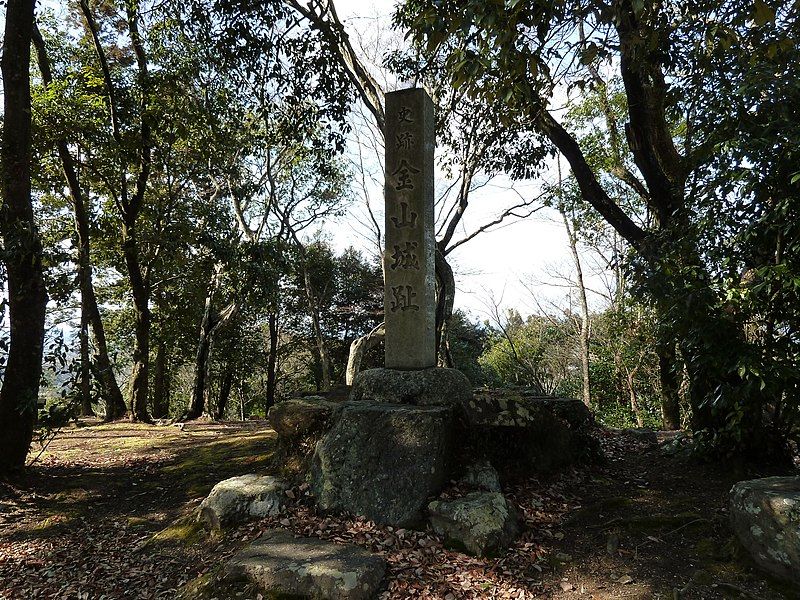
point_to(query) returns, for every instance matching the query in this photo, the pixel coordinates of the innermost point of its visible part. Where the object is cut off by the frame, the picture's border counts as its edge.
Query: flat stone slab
(383, 461)
(300, 417)
(241, 499)
(765, 515)
(482, 523)
(281, 565)
(426, 387)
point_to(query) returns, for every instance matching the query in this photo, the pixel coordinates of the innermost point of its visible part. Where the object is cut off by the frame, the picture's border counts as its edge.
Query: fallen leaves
(61, 538)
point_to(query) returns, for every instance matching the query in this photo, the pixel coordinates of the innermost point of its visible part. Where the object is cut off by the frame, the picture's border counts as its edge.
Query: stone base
(480, 523)
(300, 417)
(522, 434)
(239, 499)
(765, 515)
(283, 565)
(383, 461)
(426, 387)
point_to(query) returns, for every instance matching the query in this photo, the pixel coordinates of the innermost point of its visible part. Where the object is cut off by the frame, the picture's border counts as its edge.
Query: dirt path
(106, 513)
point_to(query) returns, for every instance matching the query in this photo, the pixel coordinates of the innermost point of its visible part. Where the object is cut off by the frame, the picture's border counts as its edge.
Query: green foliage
(533, 352)
(467, 340)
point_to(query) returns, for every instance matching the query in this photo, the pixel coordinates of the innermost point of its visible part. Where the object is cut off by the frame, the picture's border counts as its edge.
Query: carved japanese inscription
(409, 299)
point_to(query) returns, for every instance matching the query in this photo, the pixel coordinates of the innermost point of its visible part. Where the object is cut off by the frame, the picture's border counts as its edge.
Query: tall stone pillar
(410, 288)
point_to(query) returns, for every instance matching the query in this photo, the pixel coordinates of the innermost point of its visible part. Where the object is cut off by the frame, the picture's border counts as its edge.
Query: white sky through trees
(521, 265)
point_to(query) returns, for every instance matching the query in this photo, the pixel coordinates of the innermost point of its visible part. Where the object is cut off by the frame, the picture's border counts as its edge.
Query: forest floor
(107, 512)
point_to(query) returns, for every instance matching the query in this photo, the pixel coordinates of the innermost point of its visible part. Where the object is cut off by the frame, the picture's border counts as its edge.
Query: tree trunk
(670, 385)
(359, 347)
(637, 411)
(115, 403)
(27, 297)
(446, 291)
(272, 361)
(86, 379)
(224, 393)
(131, 205)
(584, 330)
(161, 386)
(141, 348)
(197, 401)
(209, 325)
(110, 392)
(316, 325)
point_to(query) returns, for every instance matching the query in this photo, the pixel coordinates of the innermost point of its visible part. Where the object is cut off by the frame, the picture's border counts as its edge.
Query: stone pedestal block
(765, 514)
(242, 498)
(480, 523)
(299, 417)
(383, 461)
(523, 433)
(426, 387)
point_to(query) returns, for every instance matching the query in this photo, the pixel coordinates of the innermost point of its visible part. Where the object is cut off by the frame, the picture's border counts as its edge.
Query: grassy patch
(183, 532)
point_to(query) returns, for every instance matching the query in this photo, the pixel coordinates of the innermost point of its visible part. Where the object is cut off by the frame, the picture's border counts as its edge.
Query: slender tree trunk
(161, 383)
(316, 325)
(634, 400)
(202, 358)
(141, 350)
(131, 204)
(584, 330)
(670, 385)
(111, 394)
(27, 297)
(115, 403)
(224, 393)
(446, 291)
(359, 347)
(272, 360)
(209, 325)
(86, 379)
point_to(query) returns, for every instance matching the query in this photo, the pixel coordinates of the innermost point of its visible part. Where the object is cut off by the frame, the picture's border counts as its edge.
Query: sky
(520, 265)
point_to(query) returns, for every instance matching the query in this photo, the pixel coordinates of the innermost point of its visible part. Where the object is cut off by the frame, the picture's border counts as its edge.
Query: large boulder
(383, 461)
(283, 565)
(482, 523)
(300, 417)
(520, 408)
(765, 514)
(242, 498)
(425, 387)
(522, 433)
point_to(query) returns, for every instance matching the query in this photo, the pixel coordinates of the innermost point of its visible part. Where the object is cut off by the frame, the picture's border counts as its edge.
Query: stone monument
(391, 446)
(408, 264)
(411, 426)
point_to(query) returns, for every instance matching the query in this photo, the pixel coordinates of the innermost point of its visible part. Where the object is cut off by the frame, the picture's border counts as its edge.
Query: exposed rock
(426, 387)
(383, 461)
(510, 408)
(242, 498)
(282, 565)
(765, 514)
(523, 433)
(299, 417)
(481, 474)
(482, 523)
